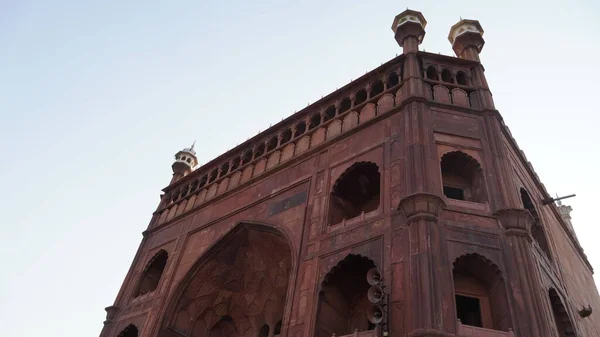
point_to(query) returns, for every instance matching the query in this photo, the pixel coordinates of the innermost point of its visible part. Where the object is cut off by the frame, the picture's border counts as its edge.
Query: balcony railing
(473, 331)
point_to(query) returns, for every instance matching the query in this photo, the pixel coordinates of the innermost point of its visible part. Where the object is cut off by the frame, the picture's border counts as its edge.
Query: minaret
(467, 41)
(185, 161)
(565, 213)
(409, 31)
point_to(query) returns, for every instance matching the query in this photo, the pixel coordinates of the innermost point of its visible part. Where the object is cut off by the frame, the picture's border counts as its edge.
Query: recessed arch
(152, 273)
(356, 191)
(447, 76)
(432, 73)
(129, 331)
(481, 296)
(343, 301)
(461, 78)
(462, 177)
(538, 233)
(228, 286)
(562, 322)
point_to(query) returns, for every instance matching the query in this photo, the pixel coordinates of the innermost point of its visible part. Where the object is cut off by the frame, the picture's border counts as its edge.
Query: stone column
(430, 304)
(523, 282)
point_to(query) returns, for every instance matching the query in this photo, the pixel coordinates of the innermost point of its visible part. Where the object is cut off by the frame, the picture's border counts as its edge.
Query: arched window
(247, 157)
(446, 76)
(130, 331)
(213, 175)
(563, 324)
(315, 120)
(264, 331)
(360, 97)
(300, 128)
(343, 301)
(480, 293)
(329, 113)
(432, 73)
(392, 80)
(235, 164)
(461, 78)
(376, 88)
(345, 104)
(462, 177)
(277, 330)
(152, 273)
(356, 191)
(537, 231)
(272, 144)
(224, 169)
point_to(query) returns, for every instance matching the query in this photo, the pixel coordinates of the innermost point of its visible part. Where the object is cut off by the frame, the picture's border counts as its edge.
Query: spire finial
(193, 144)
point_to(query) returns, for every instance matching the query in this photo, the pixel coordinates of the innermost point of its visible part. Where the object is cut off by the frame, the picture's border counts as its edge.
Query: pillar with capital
(528, 300)
(431, 306)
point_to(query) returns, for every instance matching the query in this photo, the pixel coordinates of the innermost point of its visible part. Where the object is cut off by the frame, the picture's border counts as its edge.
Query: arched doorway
(236, 288)
(343, 301)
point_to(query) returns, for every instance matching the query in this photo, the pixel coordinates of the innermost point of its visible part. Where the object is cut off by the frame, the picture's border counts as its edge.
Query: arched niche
(537, 230)
(356, 191)
(562, 322)
(343, 301)
(480, 293)
(236, 287)
(152, 273)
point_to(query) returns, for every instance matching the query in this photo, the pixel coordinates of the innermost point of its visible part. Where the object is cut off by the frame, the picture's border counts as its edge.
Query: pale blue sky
(96, 97)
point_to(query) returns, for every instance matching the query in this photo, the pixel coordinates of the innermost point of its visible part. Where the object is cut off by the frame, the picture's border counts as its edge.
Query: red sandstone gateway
(398, 205)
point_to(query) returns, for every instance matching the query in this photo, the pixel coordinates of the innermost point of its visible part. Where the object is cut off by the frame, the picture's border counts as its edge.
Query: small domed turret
(185, 161)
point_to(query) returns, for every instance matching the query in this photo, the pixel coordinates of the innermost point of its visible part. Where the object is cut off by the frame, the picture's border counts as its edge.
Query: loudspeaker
(375, 294)
(373, 276)
(375, 314)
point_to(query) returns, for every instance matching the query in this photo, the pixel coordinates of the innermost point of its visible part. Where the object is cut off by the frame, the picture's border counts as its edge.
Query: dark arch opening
(563, 324)
(315, 120)
(152, 274)
(432, 73)
(224, 169)
(245, 275)
(202, 181)
(462, 177)
(461, 78)
(272, 144)
(447, 76)
(235, 164)
(537, 231)
(247, 157)
(392, 80)
(329, 113)
(260, 150)
(355, 192)
(360, 97)
(300, 128)
(343, 301)
(286, 136)
(480, 293)
(264, 331)
(277, 330)
(130, 331)
(376, 88)
(194, 186)
(345, 105)
(213, 175)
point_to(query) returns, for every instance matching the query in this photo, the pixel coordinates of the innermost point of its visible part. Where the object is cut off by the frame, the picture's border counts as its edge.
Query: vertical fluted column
(523, 280)
(431, 312)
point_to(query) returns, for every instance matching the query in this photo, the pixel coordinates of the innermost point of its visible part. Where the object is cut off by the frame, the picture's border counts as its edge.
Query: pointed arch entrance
(236, 288)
